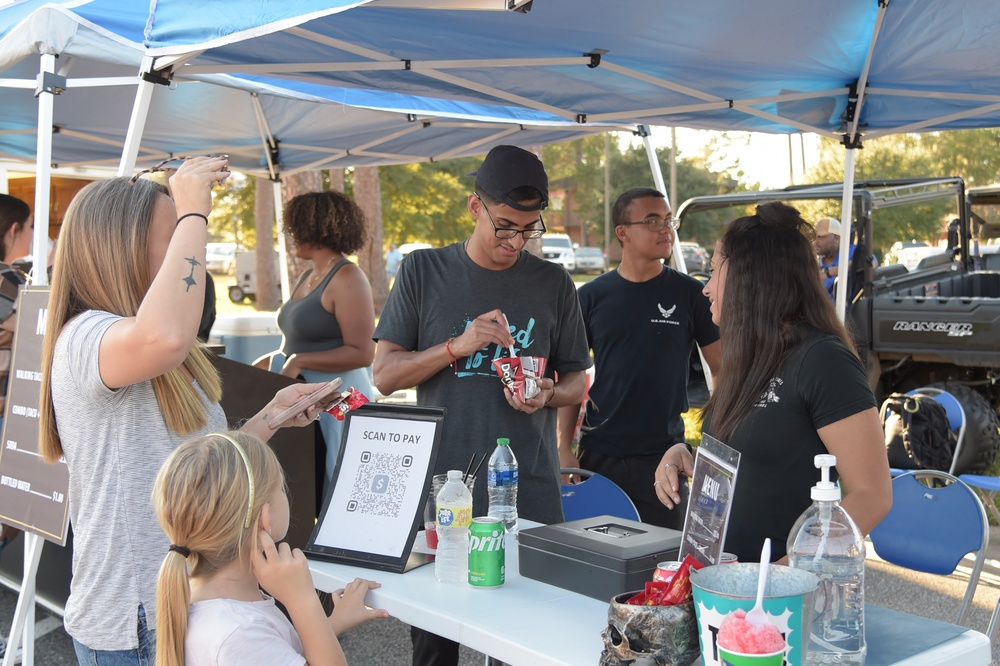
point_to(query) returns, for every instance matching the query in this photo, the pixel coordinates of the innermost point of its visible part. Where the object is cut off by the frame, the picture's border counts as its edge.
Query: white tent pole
(137, 122)
(286, 288)
(654, 163)
(46, 89)
(843, 261)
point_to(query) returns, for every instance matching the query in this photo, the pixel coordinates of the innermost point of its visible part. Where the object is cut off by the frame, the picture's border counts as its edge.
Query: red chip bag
(679, 589)
(349, 399)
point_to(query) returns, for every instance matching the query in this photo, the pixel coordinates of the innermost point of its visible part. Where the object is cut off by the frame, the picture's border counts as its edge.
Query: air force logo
(665, 315)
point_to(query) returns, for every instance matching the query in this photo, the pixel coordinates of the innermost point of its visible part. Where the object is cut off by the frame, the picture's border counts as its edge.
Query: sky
(764, 158)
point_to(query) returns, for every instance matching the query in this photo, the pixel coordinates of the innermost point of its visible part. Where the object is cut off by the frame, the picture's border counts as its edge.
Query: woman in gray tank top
(328, 323)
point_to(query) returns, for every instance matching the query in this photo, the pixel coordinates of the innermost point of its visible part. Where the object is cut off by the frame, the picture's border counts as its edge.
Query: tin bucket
(788, 600)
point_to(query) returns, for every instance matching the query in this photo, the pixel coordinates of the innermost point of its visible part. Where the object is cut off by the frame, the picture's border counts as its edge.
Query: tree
(427, 202)
(268, 281)
(371, 260)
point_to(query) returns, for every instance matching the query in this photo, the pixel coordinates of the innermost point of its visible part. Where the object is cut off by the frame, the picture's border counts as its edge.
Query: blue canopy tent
(89, 93)
(849, 70)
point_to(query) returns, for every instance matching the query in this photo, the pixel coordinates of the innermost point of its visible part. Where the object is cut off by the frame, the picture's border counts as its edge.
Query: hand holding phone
(304, 403)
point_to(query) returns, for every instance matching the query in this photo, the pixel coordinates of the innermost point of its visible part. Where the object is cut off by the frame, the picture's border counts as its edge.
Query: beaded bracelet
(454, 359)
(185, 215)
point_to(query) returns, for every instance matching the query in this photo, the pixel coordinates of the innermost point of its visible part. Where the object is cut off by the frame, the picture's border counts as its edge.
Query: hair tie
(184, 552)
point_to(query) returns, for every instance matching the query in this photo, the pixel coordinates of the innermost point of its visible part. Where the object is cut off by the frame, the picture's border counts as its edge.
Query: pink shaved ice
(738, 635)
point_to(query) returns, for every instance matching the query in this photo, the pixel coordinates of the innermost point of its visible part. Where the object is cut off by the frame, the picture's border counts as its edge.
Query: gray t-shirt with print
(436, 295)
(114, 443)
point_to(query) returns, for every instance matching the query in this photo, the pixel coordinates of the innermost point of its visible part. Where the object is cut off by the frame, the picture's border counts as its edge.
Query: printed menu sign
(707, 516)
(33, 493)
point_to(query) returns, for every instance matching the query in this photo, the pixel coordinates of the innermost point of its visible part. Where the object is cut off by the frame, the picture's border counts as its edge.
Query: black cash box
(598, 557)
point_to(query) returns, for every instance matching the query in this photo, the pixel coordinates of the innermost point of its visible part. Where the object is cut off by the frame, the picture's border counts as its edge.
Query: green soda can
(487, 552)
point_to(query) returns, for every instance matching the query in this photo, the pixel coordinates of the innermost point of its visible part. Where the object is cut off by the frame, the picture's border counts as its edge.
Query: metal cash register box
(599, 557)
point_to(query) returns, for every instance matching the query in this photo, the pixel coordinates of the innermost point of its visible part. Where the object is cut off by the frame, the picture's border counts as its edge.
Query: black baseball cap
(506, 168)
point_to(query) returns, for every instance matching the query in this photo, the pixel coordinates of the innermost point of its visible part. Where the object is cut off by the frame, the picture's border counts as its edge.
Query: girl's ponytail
(173, 596)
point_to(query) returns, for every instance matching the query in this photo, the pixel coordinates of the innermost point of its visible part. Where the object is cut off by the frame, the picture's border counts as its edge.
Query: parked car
(407, 248)
(558, 248)
(221, 258)
(590, 259)
(696, 257)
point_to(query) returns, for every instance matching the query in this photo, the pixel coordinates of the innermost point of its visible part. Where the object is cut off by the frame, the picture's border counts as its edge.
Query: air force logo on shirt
(666, 314)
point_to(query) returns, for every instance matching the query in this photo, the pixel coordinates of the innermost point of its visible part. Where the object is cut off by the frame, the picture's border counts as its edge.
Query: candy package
(668, 593)
(349, 399)
(519, 374)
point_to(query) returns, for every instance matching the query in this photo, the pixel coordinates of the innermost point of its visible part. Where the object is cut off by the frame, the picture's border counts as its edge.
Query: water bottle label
(460, 516)
(501, 477)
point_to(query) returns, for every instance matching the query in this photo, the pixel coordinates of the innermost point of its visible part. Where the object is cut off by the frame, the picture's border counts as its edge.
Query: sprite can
(487, 552)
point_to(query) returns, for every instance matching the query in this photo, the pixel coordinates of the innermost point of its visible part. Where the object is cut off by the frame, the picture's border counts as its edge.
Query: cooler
(247, 335)
(599, 557)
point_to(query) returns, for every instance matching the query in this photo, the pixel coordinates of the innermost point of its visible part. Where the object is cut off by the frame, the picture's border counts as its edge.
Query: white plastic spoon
(757, 616)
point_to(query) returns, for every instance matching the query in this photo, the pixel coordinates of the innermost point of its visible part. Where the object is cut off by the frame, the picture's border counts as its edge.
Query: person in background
(791, 387)
(642, 321)
(392, 259)
(827, 245)
(16, 229)
(221, 500)
(327, 324)
(124, 382)
(430, 336)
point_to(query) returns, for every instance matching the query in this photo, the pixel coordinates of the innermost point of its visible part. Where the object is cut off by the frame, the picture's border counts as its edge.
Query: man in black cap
(453, 310)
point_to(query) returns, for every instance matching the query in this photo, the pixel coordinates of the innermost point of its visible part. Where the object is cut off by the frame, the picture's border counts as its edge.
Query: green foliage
(969, 154)
(427, 202)
(232, 217)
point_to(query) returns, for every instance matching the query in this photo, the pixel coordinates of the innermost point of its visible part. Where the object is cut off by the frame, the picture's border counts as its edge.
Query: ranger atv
(936, 325)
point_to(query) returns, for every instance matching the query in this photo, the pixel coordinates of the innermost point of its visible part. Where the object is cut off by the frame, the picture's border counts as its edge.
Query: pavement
(387, 642)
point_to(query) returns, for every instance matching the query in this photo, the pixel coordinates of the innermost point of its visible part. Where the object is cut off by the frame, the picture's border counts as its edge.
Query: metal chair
(933, 529)
(596, 495)
(956, 419)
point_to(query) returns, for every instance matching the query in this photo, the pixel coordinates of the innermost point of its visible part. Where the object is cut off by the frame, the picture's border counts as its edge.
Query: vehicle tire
(236, 294)
(982, 440)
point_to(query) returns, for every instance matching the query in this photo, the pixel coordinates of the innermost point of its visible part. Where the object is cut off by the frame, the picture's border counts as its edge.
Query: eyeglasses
(656, 224)
(510, 233)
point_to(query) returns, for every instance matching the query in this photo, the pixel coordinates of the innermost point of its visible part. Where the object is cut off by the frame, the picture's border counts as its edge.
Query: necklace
(318, 276)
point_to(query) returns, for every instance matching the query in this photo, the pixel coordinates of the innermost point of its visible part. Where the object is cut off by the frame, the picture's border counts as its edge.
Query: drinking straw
(476, 471)
(471, 460)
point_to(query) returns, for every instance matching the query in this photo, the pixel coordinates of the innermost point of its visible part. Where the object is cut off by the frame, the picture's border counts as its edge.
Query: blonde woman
(221, 500)
(124, 382)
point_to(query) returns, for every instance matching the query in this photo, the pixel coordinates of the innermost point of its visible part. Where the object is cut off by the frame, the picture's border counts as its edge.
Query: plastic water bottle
(826, 542)
(454, 516)
(501, 480)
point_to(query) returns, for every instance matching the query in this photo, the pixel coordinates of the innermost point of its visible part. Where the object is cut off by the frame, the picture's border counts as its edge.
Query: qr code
(380, 484)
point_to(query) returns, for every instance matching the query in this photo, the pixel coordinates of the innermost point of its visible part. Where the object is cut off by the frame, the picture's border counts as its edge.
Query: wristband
(447, 348)
(186, 215)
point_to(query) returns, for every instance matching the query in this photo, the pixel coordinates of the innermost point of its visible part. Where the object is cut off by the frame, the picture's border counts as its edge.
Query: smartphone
(303, 404)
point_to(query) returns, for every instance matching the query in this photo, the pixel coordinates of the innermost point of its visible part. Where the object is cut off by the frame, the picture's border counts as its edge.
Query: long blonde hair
(101, 264)
(203, 498)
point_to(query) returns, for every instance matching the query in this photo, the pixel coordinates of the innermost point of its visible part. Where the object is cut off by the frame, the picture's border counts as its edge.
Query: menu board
(33, 493)
(707, 517)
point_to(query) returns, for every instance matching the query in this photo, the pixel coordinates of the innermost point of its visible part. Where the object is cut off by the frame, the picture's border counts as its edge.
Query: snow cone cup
(728, 658)
(788, 601)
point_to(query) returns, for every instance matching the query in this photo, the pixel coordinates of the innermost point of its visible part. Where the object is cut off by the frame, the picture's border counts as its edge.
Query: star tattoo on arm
(189, 280)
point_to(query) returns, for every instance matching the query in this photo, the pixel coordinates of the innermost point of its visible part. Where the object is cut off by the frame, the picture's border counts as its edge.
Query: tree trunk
(368, 195)
(337, 180)
(294, 185)
(268, 287)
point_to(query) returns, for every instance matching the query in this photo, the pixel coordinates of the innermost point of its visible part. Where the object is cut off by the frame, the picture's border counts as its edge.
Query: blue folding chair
(596, 495)
(933, 529)
(956, 419)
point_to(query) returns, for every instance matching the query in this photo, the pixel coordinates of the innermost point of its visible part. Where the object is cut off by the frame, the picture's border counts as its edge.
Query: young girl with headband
(221, 501)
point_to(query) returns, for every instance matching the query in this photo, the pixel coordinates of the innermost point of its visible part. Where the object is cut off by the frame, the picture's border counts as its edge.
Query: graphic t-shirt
(436, 296)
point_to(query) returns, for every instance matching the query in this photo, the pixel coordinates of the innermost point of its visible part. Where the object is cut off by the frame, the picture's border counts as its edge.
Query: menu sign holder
(33, 493)
(711, 498)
